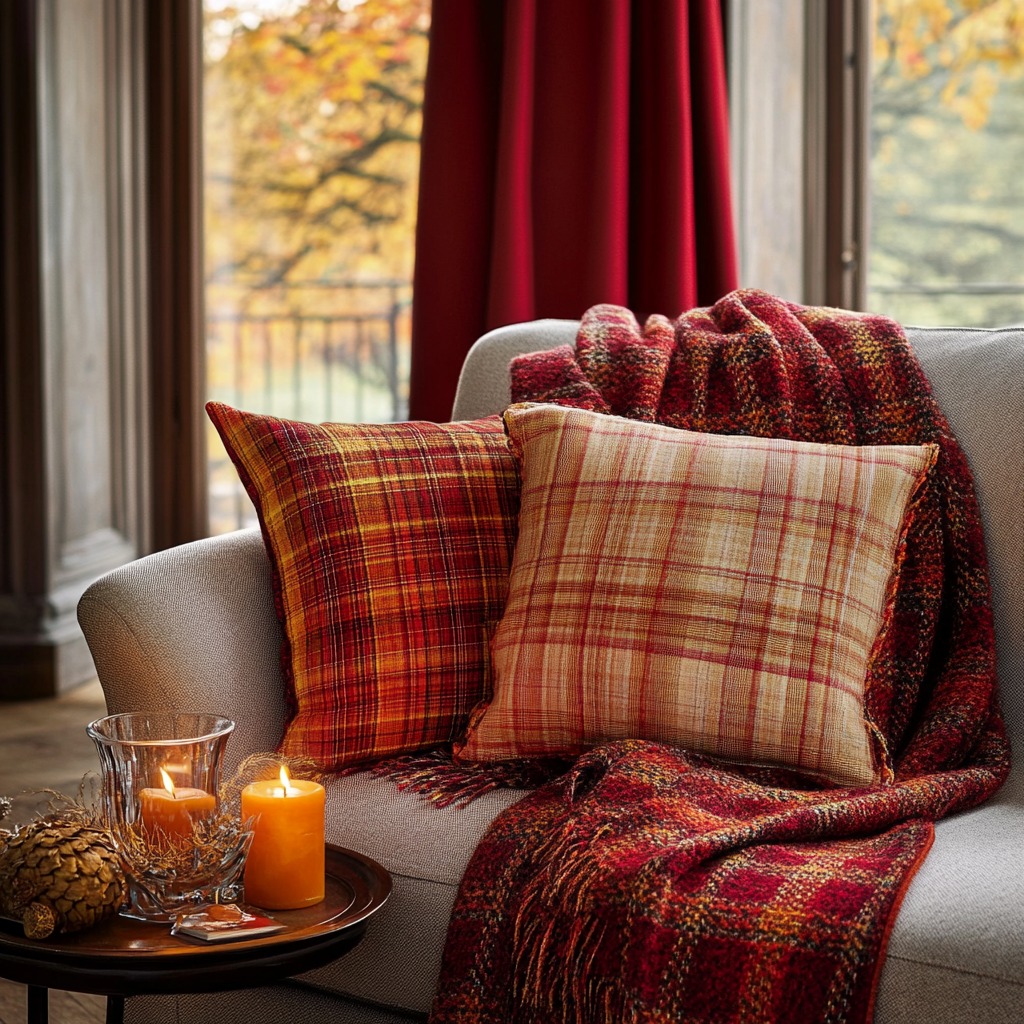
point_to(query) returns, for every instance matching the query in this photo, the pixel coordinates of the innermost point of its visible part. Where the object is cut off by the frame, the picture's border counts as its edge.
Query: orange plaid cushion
(719, 593)
(390, 546)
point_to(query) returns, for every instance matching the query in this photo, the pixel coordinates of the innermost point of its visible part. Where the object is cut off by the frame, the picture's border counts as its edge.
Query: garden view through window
(311, 128)
(947, 145)
(312, 117)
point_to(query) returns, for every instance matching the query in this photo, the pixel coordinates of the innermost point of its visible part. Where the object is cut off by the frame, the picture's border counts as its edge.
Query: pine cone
(59, 876)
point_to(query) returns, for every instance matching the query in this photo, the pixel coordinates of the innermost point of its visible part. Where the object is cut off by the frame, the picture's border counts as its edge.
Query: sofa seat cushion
(957, 945)
(957, 948)
(406, 833)
(426, 849)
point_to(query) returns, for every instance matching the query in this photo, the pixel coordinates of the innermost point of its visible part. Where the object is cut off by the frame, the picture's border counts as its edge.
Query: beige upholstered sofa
(194, 627)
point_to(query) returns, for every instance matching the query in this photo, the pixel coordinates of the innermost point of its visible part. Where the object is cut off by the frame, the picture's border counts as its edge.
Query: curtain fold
(574, 152)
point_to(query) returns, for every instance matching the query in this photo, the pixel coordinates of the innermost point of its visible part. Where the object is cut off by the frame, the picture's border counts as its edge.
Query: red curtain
(574, 152)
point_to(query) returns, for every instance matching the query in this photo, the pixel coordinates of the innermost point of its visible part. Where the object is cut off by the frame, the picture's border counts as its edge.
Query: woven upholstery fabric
(390, 546)
(723, 593)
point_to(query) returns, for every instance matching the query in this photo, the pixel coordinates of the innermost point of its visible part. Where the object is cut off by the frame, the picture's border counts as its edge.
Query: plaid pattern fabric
(631, 890)
(720, 593)
(390, 547)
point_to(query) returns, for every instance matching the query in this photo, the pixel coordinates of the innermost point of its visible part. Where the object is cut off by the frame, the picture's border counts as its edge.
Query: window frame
(812, 114)
(177, 350)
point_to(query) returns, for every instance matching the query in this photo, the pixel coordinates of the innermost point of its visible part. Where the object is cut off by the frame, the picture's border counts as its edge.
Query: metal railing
(974, 304)
(981, 288)
(308, 362)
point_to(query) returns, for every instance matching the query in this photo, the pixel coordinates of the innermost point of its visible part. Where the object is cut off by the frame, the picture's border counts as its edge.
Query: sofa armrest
(192, 628)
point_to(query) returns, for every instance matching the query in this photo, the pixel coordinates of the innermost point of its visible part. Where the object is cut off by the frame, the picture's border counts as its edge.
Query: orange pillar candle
(172, 809)
(284, 869)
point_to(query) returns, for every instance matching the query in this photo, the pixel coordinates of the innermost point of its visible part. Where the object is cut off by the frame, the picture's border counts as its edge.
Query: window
(947, 145)
(311, 125)
(876, 149)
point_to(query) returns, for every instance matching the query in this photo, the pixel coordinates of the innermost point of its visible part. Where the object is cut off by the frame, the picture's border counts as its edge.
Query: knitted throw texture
(651, 884)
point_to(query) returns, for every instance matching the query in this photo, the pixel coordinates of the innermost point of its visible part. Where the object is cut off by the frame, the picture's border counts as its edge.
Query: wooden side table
(123, 957)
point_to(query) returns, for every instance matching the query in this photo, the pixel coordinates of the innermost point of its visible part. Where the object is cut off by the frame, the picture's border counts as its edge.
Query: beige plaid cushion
(720, 593)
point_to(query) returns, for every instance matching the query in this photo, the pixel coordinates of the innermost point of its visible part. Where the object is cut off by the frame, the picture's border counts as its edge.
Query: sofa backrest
(977, 377)
(483, 383)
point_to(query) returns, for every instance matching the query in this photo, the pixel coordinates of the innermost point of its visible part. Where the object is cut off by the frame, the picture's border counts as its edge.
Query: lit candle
(172, 809)
(284, 869)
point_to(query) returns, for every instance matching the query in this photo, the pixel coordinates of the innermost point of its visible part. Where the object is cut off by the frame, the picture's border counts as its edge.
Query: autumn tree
(312, 119)
(954, 51)
(947, 110)
(312, 129)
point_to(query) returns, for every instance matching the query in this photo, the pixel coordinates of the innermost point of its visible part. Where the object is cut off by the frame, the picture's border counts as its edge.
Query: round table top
(126, 957)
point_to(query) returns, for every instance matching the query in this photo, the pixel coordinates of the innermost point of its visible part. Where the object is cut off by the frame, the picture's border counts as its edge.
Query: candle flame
(285, 780)
(167, 781)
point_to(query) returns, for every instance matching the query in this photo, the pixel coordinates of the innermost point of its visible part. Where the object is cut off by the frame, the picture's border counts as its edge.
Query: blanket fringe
(436, 777)
(551, 962)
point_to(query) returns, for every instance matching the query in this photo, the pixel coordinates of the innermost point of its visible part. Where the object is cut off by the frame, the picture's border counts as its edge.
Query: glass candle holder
(161, 783)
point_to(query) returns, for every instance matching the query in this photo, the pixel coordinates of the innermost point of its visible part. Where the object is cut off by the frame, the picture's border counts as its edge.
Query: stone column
(73, 407)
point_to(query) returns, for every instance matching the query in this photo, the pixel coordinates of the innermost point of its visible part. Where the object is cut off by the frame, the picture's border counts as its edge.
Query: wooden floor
(43, 745)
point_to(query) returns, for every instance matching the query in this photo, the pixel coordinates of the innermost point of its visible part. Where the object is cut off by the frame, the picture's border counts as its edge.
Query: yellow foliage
(974, 104)
(312, 121)
(959, 49)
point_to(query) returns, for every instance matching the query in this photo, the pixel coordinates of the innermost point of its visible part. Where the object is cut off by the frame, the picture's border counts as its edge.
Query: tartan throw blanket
(652, 884)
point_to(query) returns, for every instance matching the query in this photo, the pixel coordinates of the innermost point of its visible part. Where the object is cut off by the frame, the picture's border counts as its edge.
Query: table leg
(115, 1009)
(38, 1004)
